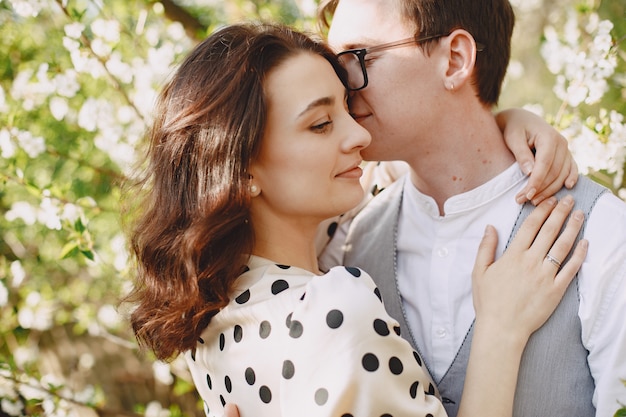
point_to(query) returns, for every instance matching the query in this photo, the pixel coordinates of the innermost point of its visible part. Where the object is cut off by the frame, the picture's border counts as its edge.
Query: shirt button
(442, 252)
(441, 332)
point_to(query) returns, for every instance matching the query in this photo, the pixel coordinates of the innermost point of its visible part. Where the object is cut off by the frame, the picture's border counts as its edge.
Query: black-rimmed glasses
(353, 60)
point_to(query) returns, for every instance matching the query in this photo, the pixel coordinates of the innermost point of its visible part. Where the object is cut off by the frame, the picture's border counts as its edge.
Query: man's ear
(461, 59)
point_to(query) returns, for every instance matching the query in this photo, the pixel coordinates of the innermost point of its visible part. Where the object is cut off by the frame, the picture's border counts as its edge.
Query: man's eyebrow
(361, 44)
(322, 101)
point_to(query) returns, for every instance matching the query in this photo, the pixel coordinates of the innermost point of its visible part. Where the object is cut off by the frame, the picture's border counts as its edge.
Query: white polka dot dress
(291, 343)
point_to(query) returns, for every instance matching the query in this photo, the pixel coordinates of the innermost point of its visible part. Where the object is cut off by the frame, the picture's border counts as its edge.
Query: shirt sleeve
(346, 358)
(602, 310)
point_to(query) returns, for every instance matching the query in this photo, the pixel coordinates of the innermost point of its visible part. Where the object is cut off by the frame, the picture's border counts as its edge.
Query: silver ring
(553, 260)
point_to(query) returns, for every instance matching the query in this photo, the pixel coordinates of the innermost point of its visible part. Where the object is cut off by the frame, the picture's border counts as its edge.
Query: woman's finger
(552, 227)
(531, 226)
(566, 239)
(486, 249)
(571, 267)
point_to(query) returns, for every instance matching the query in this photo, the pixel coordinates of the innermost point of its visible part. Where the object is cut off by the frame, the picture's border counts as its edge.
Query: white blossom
(119, 69)
(18, 272)
(155, 409)
(100, 47)
(109, 317)
(32, 145)
(12, 407)
(24, 355)
(107, 30)
(4, 294)
(49, 213)
(28, 8)
(4, 107)
(22, 210)
(162, 373)
(66, 84)
(59, 107)
(74, 30)
(7, 147)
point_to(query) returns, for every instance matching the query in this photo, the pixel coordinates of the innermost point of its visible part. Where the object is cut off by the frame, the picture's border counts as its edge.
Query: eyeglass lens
(352, 64)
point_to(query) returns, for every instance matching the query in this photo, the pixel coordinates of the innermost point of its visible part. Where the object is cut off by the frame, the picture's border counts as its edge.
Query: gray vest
(554, 378)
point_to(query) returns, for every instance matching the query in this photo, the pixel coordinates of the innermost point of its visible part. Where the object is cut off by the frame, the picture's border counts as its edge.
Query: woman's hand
(518, 292)
(551, 167)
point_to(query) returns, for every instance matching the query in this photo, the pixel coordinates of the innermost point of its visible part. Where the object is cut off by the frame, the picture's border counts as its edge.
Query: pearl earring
(254, 189)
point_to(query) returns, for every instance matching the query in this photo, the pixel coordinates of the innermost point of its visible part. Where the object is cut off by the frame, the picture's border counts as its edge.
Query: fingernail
(568, 200)
(569, 183)
(520, 199)
(551, 201)
(531, 193)
(578, 215)
(584, 243)
(527, 168)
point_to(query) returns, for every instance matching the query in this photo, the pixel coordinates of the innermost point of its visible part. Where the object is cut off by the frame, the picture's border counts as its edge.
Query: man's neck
(462, 159)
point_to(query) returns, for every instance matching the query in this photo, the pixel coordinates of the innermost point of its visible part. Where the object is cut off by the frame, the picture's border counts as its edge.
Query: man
(429, 102)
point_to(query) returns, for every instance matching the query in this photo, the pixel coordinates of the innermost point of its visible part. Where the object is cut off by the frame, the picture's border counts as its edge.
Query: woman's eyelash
(321, 127)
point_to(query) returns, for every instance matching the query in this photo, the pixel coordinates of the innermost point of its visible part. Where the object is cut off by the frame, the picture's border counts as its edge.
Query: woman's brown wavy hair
(189, 231)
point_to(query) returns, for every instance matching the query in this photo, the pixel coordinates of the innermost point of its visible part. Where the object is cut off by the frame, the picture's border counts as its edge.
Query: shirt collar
(512, 177)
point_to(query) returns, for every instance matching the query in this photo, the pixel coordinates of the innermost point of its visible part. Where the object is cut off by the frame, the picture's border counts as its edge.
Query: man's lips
(359, 117)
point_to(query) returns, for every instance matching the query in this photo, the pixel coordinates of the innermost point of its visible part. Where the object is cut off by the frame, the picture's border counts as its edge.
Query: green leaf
(88, 254)
(70, 249)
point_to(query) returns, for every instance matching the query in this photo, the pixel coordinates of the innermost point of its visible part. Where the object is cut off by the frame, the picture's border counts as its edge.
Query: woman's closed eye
(322, 127)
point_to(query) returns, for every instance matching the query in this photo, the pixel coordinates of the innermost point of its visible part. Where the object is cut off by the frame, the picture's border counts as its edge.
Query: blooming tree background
(77, 82)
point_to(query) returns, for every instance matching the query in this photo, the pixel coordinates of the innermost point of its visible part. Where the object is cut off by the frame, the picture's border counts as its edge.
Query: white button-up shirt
(436, 256)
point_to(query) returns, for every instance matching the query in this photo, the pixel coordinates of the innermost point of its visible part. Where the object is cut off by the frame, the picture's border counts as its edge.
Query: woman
(252, 148)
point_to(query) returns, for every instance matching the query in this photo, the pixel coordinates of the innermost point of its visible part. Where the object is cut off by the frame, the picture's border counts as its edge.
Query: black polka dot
(413, 389)
(386, 415)
(283, 266)
(321, 396)
(332, 228)
(380, 326)
(265, 394)
(265, 328)
(302, 298)
(245, 269)
(228, 384)
(193, 354)
(334, 318)
(250, 376)
(417, 357)
(222, 341)
(377, 292)
(208, 381)
(347, 415)
(243, 298)
(354, 271)
(431, 389)
(288, 369)
(238, 333)
(395, 365)
(222, 400)
(397, 330)
(296, 329)
(201, 340)
(279, 286)
(370, 362)
(429, 415)
(288, 320)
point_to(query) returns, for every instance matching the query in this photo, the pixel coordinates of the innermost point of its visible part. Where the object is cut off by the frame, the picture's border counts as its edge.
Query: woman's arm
(513, 297)
(551, 165)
